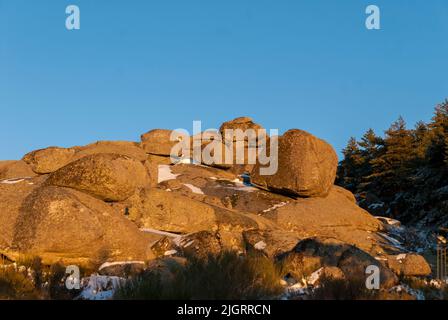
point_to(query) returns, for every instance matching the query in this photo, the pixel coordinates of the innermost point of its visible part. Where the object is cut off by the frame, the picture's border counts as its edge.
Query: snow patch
(98, 287)
(12, 181)
(392, 241)
(405, 288)
(186, 161)
(162, 233)
(297, 289)
(401, 256)
(241, 186)
(315, 276)
(389, 221)
(376, 205)
(276, 206)
(193, 188)
(170, 252)
(261, 245)
(165, 173)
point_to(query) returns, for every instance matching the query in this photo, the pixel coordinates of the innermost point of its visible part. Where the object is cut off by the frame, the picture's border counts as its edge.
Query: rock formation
(126, 201)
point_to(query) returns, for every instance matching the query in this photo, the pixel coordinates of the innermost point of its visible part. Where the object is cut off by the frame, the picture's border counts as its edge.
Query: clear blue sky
(137, 65)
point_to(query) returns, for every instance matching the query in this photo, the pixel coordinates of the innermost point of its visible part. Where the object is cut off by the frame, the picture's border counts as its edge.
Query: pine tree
(438, 149)
(372, 146)
(421, 142)
(350, 166)
(394, 164)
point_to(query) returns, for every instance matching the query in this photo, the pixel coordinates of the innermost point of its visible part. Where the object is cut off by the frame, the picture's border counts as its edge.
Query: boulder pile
(114, 201)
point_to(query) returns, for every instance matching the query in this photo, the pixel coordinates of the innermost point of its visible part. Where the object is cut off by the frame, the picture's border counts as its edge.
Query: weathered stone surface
(163, 246)
(200, 244)
(125, 148)
(409, 265)
(314, 253)
(15, 169)
(271, 242)
(158, 142)
(334, 216)
(241, 123)
(122, 269)
(12, 195)
(64, 224)
(306, 166)
(49, 160)
(168, 211)
(109, 177)
(221, 188)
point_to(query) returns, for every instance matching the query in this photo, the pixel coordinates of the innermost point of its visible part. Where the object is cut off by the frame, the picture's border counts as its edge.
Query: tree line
(391, 163)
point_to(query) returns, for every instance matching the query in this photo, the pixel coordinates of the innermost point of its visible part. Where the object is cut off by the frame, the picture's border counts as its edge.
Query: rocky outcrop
(306, 166)
(125, 148)
(311, 254)
(241, 123)
(239, 144)
(109, 177)
(272, 243)
(334, 216)
(410, 265)
(64, 224)
(12, 194)
(15, 169)
(125, 203)
(168, 211)
(49, 160)
(158, 142)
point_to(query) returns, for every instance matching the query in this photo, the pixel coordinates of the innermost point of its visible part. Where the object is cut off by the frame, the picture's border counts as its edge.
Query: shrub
(343, 289)
(16, 285)
(225, 276)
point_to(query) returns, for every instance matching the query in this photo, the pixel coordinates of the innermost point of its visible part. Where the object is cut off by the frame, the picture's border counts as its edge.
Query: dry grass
(226, 276)
(29, 279)
(16, 285)
(343, 289)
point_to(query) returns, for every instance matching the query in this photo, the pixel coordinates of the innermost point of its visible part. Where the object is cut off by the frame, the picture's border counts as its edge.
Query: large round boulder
(109, 177)
(64, 224)
(159, 142)
(306, 166)
(12, 194)
(49, 160)
(241, 123)
(409, 265)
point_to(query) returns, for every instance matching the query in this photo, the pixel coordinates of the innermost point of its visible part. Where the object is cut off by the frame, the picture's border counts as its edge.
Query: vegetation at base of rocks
(403, 174)
(435, 290)
(16, 285)
(343, 289)
(223, 276)
(29, 279)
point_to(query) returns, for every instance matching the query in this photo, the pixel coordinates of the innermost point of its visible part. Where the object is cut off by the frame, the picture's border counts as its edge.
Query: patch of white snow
(260, 245)
(193, 188)
(165, 173)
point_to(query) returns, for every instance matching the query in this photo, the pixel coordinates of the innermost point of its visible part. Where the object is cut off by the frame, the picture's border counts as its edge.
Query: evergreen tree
(438, 148)
(394, 164)
(350, 165)
(421, 142)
